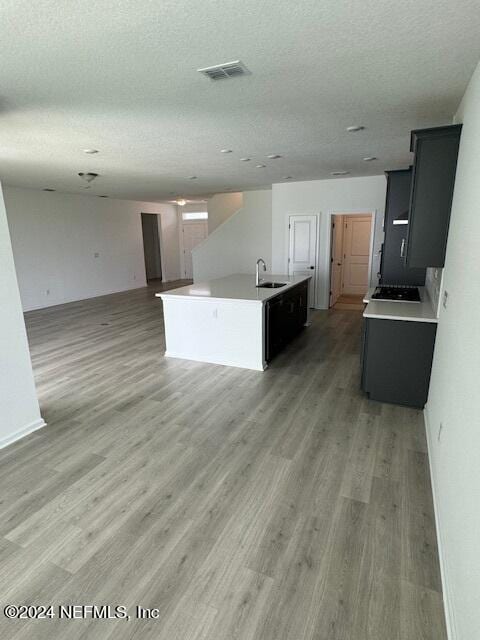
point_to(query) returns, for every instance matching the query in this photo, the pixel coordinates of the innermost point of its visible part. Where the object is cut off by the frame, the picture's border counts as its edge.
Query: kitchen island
(231, 321)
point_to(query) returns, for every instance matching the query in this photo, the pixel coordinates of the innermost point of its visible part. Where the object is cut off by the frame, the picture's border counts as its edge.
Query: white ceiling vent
(225, 70)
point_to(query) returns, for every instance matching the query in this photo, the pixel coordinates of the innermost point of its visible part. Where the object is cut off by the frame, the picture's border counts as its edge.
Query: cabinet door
(275, 326)
(302, 305)
(393, 268)
(435, 164)
(398, 360)
(285, 317)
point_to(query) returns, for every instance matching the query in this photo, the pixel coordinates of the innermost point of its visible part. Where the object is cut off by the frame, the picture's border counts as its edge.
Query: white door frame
(182, 225)
(314, 302)
(346, 212)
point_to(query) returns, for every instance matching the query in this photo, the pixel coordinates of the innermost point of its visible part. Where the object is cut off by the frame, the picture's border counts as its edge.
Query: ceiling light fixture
(355, 127)
(225, 151)
(260, 166)
(192, 177)
(339, 173)
(274, 156)
(102, 196)
(370, 158)
(48, 189)
(287, 178)
(88, 177)
(181, 202)
(90, 151)
(245, 159)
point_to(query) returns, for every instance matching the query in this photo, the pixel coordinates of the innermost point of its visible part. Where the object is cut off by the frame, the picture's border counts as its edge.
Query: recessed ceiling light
(48, 189)
(182, 202)
(90, 151)
(192, 177)
(88, 177)
(274, 156)
(370, 158)
(287, 178)
(225, 151)
(260, 166)
(355, 127)
(245, 159)
(339, 173)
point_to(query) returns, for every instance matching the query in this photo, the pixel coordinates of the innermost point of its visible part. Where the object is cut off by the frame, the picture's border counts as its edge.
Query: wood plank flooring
(281, 505)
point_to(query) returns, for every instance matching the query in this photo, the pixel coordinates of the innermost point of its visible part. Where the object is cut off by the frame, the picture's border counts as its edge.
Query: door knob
(312, 267)
(339, 264)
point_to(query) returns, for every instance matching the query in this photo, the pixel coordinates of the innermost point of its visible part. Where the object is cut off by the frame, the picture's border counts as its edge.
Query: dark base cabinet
(285, 317)
(397, 360)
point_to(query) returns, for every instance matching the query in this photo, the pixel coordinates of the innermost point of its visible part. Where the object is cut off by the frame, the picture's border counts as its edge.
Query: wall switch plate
(445, 299)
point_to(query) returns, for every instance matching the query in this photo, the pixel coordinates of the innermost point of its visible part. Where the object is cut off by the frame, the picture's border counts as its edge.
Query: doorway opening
(194, 231)
(151, 247)
(351, 250)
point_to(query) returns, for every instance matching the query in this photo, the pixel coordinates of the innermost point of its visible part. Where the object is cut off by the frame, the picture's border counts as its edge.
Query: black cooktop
(397, 294)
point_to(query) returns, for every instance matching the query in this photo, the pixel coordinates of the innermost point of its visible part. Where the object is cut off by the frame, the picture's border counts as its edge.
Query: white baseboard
(447, 598)
(21, 433)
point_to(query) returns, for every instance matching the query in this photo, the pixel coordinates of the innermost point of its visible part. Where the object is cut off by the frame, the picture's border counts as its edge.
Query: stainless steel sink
(271, 285)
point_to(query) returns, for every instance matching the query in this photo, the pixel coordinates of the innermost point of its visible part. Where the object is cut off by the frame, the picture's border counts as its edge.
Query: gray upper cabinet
(393, 268)
(434, 167)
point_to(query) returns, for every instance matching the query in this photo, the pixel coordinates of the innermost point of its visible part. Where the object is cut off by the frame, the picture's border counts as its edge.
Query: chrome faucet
(257, 275)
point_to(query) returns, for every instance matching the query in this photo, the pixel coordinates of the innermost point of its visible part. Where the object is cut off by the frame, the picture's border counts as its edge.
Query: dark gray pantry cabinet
(393, 269)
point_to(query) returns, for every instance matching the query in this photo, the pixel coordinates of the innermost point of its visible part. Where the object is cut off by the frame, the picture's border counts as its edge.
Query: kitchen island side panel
(219, 332)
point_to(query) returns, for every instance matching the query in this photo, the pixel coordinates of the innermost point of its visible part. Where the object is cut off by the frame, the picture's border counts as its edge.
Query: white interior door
(356, 253)
(336, 259)
(193, 234)
(302, 255)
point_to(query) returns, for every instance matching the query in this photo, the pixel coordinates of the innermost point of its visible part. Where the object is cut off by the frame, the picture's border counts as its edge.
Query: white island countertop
(239, 287)
(422, 311)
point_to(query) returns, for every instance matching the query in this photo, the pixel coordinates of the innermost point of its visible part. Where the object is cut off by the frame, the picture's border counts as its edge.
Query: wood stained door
(356, 254)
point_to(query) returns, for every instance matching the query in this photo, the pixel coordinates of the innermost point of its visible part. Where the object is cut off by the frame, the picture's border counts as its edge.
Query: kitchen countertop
(411, 311)
(237, 287)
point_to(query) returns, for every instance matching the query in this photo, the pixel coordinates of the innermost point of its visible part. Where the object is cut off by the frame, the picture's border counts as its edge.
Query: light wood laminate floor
(281, 505)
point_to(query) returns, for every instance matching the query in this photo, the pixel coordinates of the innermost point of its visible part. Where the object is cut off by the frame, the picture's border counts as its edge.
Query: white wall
(55, 237)
(235, 245)
(455, 389)
(341, 195)
(19, 411)
(222, 206)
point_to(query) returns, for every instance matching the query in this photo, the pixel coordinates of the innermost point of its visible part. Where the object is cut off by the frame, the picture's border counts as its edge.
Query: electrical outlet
(440, 429)
(445, 299)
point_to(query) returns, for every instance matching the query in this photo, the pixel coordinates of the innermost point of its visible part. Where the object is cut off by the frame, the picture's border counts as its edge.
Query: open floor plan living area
(239, 309)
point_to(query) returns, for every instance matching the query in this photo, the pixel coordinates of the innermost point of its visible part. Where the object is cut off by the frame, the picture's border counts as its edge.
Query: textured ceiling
(120, 76)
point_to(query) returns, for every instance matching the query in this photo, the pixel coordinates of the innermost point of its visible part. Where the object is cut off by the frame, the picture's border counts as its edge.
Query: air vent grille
(225, 70)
